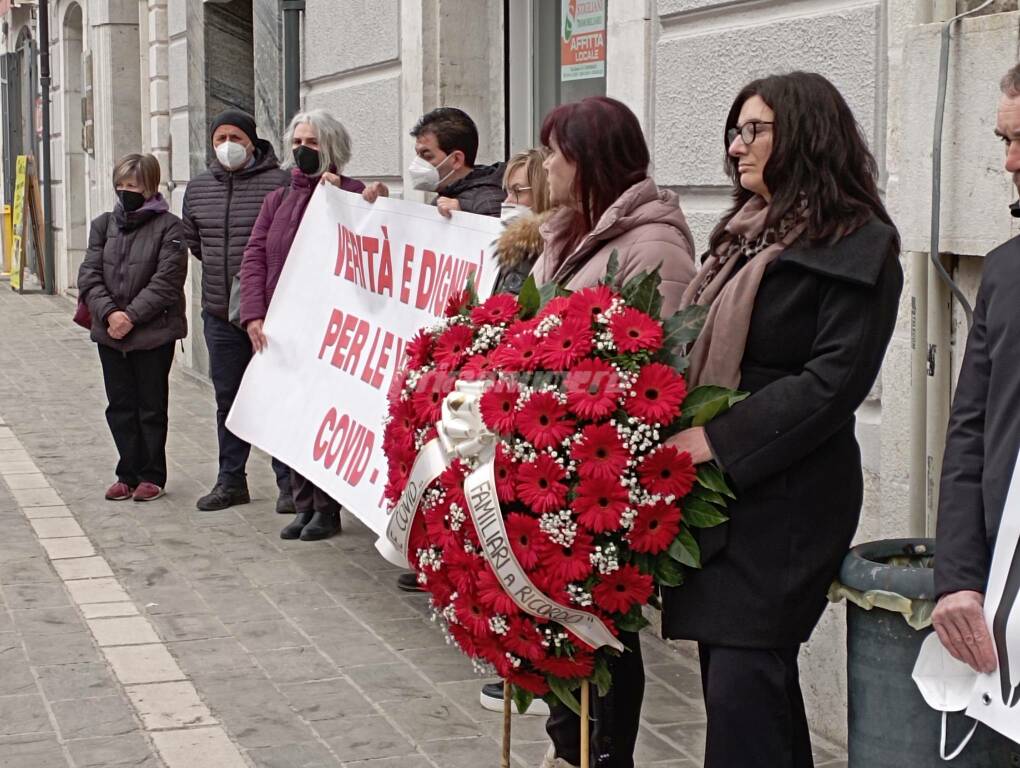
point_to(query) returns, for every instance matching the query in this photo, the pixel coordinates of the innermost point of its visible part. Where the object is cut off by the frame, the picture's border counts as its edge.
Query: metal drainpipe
(930, 368)
(292, 10)
(47, 183)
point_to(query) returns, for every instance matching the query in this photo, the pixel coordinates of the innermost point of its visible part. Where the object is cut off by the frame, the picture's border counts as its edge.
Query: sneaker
(223, 497)
(285, 504)
(147, 491)
(119, 492)
(551, 761)
(492, 700)
(409, 583)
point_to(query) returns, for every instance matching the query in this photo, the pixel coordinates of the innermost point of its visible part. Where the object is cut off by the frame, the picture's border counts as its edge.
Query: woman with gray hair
(320, 148)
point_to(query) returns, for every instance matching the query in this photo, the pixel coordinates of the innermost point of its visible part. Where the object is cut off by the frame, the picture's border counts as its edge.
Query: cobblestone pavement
(156, 635)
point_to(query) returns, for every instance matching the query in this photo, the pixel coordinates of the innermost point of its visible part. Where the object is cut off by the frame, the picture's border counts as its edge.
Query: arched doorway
(74, 193)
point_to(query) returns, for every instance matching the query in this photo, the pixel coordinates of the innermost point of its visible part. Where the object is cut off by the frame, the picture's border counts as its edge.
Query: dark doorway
(229, 58)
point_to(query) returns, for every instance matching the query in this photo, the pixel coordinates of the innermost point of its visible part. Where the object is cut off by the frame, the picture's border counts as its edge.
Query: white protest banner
(996, 697)
(360, 280)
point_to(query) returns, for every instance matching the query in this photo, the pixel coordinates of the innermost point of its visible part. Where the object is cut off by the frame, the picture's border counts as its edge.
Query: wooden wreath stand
(585, 716)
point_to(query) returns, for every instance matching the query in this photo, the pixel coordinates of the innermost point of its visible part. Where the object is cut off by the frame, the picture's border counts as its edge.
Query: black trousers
(308, 497)
(616, 717)
(138, 392)
(755, 709)
(229, 354)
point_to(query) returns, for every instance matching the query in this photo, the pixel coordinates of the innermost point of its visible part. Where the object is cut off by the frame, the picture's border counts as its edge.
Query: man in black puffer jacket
(220, 208)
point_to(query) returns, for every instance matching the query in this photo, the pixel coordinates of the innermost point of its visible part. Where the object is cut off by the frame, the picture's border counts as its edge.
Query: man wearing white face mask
(446, 143)
(220, 208)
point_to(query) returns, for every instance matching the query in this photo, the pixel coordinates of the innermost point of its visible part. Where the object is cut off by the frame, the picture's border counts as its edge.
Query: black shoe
(285, 504)
(322, 526)
(492, 700)
(409, 582)
(224, 496)
(293, 529)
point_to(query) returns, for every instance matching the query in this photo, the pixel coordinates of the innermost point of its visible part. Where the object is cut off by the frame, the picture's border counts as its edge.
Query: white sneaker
(491, 699)
(551, 761)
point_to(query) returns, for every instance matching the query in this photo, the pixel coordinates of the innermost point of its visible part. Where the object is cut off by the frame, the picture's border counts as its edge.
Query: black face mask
(130, 201)
(307, 160)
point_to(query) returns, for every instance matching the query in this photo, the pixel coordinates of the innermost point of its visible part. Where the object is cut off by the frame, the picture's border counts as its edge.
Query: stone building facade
(149, 74)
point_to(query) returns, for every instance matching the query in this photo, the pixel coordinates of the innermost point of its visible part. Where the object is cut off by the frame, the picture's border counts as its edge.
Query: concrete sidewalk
(152, 635)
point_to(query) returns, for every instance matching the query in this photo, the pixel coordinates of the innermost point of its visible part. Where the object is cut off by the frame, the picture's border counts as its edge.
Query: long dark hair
(818, 152)
(603, 138)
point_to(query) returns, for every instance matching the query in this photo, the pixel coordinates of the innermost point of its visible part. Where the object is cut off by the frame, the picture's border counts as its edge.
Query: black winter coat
(136, 262)
(984, 430)
(822, 319)
(481, 191)
(220, 208)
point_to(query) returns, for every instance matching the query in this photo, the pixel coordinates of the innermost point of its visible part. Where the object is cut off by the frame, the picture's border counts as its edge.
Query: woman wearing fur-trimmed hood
(526, 208)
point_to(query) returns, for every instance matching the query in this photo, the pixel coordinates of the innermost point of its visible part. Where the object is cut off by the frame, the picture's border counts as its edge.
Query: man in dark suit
(984, 437)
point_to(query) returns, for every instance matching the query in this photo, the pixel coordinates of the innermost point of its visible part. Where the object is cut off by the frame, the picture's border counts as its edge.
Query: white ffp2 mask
(425, 176)
(231, 155)
(946, 685)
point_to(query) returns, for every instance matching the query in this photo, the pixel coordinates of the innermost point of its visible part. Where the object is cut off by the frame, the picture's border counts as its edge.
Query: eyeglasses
(747, 132)
(516, 190)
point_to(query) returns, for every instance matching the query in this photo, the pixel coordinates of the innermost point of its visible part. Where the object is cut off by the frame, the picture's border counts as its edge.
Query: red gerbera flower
(452, 345)
(581, 664)
(401, 459)
(544, 421)
(529, 681)
(569, 563)
(498, 406)
(471, 613)
(633, 330)
(452, 480)
(428, 396)
(437, 522)
(655, 527)
(589, 302)
(461, 567)
(600, 503)
(619, 590)
(506, 476)
(439, 587)
(555, 306)
(492, 594)
(476, 368)
(600, 453)
(526, 538)
(491, 649)
(456, 303)
(419, 349)
(668, 471)
(658, 393)
(406, 417)
(396, 435)
(551, 584)
(497, 309)
(593, 389)
(540, 484)
(523, 639)
(463, 638)
(566, 344)
(518, 353)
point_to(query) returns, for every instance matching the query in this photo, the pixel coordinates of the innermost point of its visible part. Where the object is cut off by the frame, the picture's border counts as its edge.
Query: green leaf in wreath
(668, 572)
(564, 690)
(711, 477)
(522, 698)
(685, 549)
(529, 298)
(684, 326)
(550, 291)
(704, 403)
(712, 497)
(634, 621)
(612, 268)
(472, 293)
(642, 292)
(701, 514)
(602, 677)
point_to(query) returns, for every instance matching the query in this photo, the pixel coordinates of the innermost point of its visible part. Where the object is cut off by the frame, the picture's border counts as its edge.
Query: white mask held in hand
(510, 211)
(425, 176)
(231, 155)
(946, 685)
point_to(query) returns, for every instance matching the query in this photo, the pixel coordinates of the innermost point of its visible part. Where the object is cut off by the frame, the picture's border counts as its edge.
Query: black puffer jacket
(136, 262)
(220, 208)
(481, 191)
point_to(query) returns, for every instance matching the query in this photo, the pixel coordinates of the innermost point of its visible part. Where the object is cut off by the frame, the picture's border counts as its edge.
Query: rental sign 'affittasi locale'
(360, 280)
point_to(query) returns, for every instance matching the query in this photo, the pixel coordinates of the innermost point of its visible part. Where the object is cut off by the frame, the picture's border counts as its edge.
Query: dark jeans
(615, 717)
(229, 354)
(310, 498)
(138, 391)
(755, 709)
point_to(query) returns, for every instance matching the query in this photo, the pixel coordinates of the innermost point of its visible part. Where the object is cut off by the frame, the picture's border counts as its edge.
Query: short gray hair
(334, 141)
(1010, 83)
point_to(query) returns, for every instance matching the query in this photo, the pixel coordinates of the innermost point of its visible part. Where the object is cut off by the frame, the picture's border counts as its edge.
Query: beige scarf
(729, 290)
